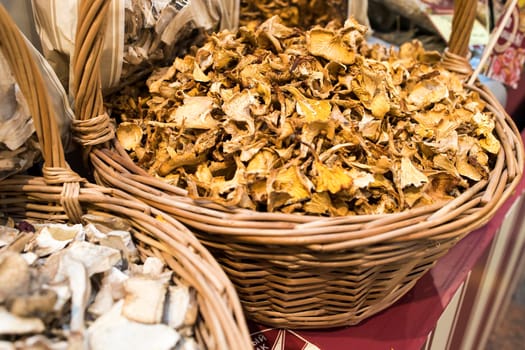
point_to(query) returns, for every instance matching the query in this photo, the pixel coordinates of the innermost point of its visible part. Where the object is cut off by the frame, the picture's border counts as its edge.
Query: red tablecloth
(407, 323)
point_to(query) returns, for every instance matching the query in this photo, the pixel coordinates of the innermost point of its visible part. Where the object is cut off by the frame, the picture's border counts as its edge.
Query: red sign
(280, 339)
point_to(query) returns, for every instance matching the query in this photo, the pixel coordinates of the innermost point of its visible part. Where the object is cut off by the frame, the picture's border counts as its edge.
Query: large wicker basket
(304, 271)
(63, 196)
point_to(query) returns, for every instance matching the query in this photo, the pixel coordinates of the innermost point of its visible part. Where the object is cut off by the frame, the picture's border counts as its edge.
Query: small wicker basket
(63, 196)
(303, 271)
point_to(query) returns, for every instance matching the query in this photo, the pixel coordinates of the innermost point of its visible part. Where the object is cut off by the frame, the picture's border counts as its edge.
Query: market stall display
(315, 271)
(62, 196)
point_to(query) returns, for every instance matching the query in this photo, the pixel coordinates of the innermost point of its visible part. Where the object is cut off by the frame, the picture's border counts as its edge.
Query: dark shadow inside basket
(300, 271)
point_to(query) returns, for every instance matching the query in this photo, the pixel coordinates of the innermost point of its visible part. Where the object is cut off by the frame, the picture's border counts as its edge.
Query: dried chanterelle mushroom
(314, 122)
(81, 287)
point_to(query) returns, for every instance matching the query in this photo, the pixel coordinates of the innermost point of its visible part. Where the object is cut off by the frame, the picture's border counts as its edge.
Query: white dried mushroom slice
(114, 331)
(12, 324)
(53, 238)
(7, 235)
(14, 275)
(144, 301)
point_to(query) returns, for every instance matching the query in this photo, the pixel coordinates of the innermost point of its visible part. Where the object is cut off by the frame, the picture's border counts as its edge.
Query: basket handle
(456, 56)
(32, 86)
(462, 24)
(93, 125)
(28, 76)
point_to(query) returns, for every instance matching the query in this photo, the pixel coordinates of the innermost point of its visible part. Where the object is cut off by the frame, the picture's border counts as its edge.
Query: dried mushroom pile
(81, 287)
(294, 13)
(315, 122)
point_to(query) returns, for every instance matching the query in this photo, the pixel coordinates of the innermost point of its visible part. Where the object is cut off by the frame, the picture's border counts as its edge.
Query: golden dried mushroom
(294, 13)
(316, 122)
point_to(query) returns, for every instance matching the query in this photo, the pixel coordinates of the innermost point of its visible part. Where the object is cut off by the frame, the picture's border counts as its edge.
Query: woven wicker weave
(303, 271)
(63, 196)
